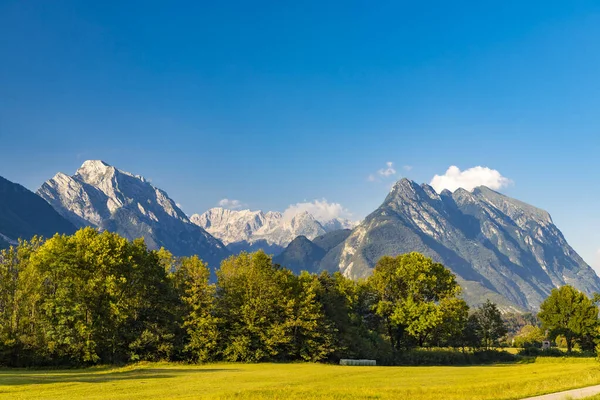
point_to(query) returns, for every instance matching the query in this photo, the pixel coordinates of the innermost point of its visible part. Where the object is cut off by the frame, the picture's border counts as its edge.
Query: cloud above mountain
(231, 204)
(386, 172)
(321, 209)
(469, 179)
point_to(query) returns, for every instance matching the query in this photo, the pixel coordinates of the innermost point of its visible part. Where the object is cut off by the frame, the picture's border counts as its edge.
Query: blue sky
(275, 103)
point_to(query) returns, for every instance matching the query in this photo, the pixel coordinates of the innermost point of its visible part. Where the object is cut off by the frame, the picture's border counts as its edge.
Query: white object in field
(545, 345)
(348, 361)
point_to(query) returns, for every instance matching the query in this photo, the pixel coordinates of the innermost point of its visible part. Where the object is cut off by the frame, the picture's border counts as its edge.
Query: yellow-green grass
(300, 381)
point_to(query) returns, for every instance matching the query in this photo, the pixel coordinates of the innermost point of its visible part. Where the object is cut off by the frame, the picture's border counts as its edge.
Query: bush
(552, 352)
(451, 357)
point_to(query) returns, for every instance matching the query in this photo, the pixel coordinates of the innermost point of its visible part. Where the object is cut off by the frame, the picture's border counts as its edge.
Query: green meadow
(301, 381)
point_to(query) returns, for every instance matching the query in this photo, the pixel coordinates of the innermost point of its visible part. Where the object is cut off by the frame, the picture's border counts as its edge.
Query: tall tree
(191, 278)
(252, 301)
(312, 335)
(489, 324)
(414, 295)
(93, 297)
(570, 313)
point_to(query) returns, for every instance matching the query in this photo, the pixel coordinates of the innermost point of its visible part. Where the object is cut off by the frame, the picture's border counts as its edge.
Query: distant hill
(24, 214)
(300, 255)
(305, 255)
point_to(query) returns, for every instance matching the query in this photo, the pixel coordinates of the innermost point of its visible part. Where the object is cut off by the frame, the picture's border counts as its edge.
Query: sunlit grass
(300, 381)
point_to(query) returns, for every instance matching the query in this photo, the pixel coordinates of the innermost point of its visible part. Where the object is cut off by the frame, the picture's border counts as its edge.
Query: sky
(311, 104)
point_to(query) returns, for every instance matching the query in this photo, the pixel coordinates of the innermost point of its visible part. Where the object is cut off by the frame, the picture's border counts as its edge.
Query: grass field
(300, 381)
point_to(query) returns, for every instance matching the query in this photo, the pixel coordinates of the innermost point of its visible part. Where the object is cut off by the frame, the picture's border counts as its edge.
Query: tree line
(97, 298)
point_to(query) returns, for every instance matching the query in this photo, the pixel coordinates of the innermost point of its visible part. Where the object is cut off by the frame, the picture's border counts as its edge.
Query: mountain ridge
(273, 231)
(107, 198)
(493, 243)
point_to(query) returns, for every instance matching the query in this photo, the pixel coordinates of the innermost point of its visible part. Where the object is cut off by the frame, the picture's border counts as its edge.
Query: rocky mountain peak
(94, 171)
(105, 197)
(498, 247)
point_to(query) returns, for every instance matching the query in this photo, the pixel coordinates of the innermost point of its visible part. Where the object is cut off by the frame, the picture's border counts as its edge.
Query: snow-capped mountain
(105, 197)
(499, 248)
(272, 231)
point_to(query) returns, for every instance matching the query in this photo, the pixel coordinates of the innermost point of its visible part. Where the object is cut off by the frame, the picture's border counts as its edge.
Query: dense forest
(96, 298)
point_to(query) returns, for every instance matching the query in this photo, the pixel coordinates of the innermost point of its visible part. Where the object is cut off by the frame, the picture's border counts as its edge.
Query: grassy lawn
(300, 381)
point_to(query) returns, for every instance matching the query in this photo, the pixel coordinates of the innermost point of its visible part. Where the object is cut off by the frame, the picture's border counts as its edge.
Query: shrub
(452, 357)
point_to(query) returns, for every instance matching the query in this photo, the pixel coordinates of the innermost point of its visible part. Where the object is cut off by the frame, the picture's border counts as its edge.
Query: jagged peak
(222, 211)
(304, 214)
(93, 171)
(404, 183)
(462, 192)
(61, 176)
(506, 203)
(273, 214)
(430, 191)
(95, 164)
(407, 190)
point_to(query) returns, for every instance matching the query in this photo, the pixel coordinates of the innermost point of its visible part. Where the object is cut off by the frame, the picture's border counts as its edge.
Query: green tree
(19, 338)
(514, 322)
(348, 306)
(414, 293)
(488, 324)
(252, 301)
(569, 313)
(455, 314)
(93, 297)
(529, 336)
(312, 335)
(191, 278)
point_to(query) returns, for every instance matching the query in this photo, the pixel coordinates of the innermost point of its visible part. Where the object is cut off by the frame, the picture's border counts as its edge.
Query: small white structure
(348, 361)
(545, 345)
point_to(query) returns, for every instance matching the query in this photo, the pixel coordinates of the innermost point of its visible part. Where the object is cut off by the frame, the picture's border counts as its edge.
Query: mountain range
(245, 230)
(498, 247)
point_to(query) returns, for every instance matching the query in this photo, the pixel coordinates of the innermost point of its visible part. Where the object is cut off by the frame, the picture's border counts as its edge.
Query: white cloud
(386, 172)
(231, 204)
(407, 168)
(322, 210)
(469, 179)
(389, 171)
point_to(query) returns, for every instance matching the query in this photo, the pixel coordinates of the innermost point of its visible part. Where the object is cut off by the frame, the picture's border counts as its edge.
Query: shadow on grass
(27, 377)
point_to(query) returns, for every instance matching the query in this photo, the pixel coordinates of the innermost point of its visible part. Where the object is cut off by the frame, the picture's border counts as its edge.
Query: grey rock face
(107, 198)
(498, 247)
